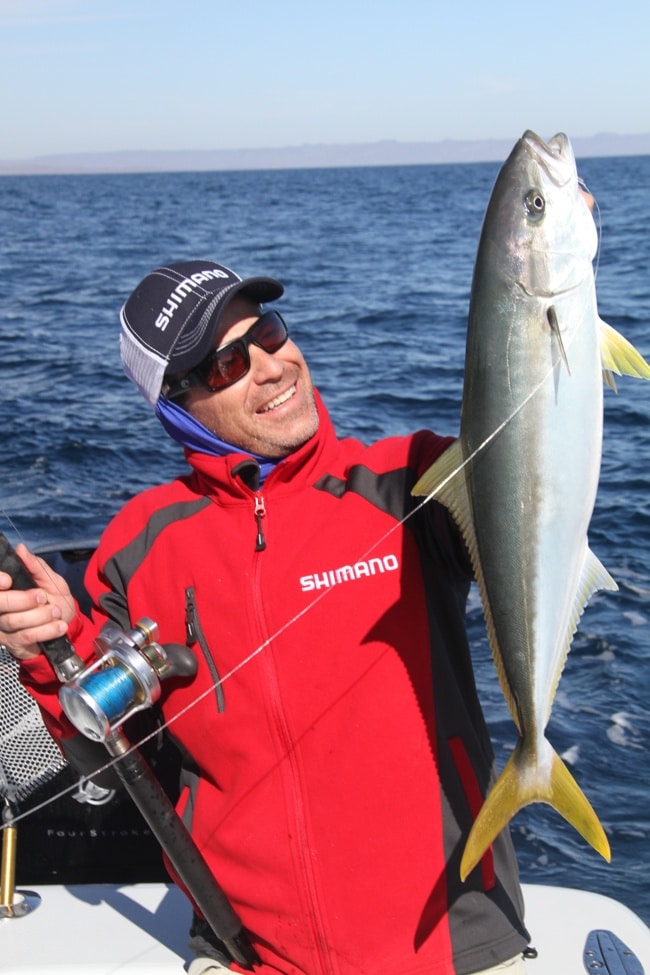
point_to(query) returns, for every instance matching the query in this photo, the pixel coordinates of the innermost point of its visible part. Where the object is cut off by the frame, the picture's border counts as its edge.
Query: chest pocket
(194, 635)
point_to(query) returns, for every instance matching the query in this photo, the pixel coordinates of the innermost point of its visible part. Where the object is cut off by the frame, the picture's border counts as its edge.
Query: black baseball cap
(170, 320)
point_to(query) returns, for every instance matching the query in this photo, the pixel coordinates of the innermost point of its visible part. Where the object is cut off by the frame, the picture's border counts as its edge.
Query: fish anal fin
(594, 576)
(525, 780)
(619, 356)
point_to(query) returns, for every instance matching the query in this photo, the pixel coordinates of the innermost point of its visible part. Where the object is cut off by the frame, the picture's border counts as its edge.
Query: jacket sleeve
(38, 677)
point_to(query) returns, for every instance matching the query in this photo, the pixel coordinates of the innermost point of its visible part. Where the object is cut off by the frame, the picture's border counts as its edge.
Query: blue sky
(103, 75)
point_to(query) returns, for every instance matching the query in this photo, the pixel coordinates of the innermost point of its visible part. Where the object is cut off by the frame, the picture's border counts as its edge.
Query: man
(335, 753)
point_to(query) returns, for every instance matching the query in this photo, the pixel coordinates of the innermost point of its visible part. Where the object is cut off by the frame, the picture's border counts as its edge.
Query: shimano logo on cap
(182, 290)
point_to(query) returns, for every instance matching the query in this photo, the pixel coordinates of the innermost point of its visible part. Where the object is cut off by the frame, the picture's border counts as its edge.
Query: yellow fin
(446, 481)
(438, 480)
(618, 355)
(524, 781)
(608, 379)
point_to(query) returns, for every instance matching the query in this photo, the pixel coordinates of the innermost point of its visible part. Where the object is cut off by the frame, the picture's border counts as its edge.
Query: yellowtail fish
(521, 479)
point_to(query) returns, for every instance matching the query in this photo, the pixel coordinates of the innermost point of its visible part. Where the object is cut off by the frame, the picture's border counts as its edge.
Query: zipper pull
(190, 617)
(260, 511)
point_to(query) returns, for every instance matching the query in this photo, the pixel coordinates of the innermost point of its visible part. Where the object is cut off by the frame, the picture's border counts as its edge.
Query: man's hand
(32, 616)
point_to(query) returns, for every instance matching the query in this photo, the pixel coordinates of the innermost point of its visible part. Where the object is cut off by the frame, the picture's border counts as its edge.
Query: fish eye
(535, 204)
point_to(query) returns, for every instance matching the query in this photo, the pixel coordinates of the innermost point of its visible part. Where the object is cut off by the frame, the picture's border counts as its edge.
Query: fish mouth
(555, 156)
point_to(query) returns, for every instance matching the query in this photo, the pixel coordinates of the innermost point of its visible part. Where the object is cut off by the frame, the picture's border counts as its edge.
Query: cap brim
(259, 290)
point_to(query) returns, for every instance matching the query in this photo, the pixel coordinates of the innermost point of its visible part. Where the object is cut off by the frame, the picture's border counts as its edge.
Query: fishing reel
(97, 699)
(125, 679)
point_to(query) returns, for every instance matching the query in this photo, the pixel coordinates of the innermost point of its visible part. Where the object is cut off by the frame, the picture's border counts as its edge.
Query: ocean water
(377, 264)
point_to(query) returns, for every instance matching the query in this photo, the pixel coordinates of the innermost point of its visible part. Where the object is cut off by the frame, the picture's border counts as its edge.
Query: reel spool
(126, 678)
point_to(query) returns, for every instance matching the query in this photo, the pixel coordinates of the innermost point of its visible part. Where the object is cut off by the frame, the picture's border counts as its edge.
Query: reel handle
(60, 652)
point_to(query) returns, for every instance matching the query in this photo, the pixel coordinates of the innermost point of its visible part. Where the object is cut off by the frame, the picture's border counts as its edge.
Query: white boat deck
(143, 929)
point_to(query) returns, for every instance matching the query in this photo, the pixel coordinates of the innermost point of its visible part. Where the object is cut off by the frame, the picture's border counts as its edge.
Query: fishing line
(598, 222)
(278, 633)
(289, 623)
(299, 615)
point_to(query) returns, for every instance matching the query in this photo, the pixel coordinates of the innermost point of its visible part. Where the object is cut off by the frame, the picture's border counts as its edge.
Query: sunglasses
(231, 362)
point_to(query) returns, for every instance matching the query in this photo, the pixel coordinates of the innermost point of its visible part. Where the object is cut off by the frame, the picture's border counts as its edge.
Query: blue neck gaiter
(188, 432)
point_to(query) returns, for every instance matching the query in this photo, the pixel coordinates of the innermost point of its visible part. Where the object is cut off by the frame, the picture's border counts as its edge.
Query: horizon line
(383, 152)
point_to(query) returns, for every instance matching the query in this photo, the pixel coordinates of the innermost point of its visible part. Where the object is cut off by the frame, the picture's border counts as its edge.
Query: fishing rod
(98, 699)
(20, 569)
(107, 695)
(62, 654)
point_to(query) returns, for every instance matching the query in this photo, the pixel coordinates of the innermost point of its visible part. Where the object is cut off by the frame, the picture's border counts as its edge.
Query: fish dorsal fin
(446, 481)
(619, 356)
(440, 480)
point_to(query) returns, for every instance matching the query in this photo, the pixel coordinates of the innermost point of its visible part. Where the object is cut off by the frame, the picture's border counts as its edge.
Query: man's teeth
(279, 400)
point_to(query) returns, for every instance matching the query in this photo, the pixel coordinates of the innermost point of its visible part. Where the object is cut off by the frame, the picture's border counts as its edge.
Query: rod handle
(60, 652)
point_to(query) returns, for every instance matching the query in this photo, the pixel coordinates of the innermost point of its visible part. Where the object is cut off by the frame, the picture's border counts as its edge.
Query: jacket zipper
(194, 633)
(260, 511)
(310, 885)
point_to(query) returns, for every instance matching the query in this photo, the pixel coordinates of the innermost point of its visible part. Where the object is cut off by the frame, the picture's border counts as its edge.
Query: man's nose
(265, 366)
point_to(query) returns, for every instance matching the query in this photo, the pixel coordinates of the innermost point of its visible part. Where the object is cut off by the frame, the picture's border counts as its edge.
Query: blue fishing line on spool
(112, 689)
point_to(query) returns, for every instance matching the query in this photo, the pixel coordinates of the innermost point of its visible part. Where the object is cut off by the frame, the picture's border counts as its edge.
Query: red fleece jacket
(332, 794)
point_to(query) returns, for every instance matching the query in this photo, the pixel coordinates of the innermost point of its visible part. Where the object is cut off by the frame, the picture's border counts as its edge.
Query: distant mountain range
(385, 153)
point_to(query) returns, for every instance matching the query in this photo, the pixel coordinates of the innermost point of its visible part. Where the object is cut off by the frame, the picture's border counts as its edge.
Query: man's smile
(278, 400)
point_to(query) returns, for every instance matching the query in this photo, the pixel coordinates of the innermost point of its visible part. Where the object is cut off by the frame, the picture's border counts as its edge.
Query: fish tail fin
(521, 783)
(618, 355)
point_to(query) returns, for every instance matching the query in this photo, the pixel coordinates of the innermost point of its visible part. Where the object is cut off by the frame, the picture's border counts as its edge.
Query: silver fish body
(521, 480)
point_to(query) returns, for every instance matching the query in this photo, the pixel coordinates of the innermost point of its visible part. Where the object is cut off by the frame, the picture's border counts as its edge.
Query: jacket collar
(235, 473)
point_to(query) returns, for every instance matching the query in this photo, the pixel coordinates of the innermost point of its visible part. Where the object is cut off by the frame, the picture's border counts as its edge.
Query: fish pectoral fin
(522, 782)
(551, 316)
(619, 356)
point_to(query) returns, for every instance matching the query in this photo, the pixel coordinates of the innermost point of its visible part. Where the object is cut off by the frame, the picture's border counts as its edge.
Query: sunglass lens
(232, 361)
(227, 366)
(271, 332)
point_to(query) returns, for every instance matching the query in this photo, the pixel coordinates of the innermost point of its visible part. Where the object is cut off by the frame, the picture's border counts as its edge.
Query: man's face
(271, 410)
